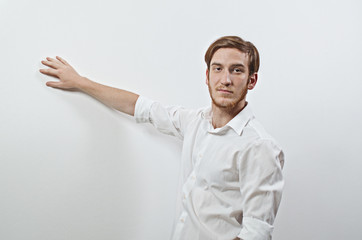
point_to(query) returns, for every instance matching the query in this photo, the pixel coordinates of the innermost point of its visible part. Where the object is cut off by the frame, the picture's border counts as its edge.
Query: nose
(225, 79)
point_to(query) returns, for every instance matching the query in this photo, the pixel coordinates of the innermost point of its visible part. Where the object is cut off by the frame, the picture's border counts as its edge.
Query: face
(228, 79)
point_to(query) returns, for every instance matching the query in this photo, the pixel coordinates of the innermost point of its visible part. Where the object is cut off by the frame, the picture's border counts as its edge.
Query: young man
(231, 168)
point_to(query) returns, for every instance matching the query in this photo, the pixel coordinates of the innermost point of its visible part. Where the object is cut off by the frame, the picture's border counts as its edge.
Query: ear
(252, 80)
(207, 76)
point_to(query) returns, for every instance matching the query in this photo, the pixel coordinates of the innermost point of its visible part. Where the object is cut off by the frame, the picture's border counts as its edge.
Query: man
(231, 168)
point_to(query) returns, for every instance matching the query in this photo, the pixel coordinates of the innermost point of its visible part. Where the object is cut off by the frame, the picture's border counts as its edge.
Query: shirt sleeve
(262, 183)
(170, 120)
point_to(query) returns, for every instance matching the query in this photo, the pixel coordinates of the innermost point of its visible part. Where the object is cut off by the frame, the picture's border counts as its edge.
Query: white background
(71, 168)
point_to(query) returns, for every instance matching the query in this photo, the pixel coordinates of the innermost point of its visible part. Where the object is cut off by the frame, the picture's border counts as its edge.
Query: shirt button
(184, 197)
(193, 177)
(182, 220)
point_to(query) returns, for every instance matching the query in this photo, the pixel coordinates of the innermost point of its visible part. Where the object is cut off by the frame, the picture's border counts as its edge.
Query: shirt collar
(237, 123)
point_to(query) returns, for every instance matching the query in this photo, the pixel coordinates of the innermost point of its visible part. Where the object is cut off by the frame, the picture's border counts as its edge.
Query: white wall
(71, 168)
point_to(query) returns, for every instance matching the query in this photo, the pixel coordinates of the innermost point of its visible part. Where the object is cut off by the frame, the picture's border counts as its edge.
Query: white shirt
(231, 177)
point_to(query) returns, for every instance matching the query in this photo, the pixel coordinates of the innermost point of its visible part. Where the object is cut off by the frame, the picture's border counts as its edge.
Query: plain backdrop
(71, 168)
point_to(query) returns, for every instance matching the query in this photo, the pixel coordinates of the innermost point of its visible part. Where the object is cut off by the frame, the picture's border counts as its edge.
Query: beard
(231, 104)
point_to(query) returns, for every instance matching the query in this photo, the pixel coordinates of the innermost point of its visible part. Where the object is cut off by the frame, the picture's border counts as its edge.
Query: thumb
(54, 84)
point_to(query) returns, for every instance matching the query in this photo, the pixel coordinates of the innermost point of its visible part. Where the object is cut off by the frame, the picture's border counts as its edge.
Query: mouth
(224, 91)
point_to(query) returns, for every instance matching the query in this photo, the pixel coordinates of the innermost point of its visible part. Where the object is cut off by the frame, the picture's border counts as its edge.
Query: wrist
(82, 83)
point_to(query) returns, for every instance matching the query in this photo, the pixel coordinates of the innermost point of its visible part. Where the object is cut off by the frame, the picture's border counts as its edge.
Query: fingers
(54, 84)
(57, 68)
(51, 64)
(62, 60)
(55, 63)
(50, 72)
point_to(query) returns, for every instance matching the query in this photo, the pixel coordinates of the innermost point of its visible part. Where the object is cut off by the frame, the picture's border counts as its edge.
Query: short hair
(238, 43)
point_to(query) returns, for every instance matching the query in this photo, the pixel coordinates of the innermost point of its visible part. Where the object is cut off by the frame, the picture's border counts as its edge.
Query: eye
(217, 69)
(238, 70)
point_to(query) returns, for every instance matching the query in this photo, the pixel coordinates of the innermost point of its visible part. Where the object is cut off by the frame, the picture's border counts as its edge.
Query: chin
(229, 103)
(225, 104)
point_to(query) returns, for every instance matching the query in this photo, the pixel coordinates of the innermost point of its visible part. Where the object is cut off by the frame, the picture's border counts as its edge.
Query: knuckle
(55, 72)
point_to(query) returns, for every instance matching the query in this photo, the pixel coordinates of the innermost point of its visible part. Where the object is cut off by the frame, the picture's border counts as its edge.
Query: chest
(212, 157)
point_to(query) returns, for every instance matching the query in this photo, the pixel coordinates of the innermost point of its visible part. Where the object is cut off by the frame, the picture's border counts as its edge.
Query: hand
(59, 68)
(119, 99)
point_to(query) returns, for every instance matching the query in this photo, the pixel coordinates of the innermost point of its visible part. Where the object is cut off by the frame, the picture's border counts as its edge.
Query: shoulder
(146, 108)
(261, 148)
(185, 115)
(257, 134)
(255, 128)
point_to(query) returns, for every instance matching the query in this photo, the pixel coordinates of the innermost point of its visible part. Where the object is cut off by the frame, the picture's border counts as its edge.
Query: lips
(223, 90)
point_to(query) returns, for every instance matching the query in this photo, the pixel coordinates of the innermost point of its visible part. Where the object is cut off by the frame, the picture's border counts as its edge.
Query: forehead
(230, 56)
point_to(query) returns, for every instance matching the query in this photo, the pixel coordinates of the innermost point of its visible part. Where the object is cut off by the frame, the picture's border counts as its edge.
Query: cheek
(241, 85)
(213, 79)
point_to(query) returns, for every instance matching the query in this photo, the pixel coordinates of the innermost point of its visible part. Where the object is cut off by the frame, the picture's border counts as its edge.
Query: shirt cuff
(142, 109)
(255, 229)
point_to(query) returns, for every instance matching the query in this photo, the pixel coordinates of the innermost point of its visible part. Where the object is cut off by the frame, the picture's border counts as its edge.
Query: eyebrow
(233, 65)
(238, 65)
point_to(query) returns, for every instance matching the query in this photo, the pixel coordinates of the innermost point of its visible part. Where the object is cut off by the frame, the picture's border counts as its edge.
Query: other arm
(69, 79)
(261, 182)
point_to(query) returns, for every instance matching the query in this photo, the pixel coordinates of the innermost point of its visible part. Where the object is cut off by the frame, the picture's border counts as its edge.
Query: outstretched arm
(118, 99)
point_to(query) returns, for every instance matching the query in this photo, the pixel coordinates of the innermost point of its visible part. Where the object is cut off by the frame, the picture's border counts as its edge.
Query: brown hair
(238, 43)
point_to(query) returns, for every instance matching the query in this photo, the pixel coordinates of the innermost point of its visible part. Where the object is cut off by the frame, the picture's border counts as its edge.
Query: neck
(221, 116)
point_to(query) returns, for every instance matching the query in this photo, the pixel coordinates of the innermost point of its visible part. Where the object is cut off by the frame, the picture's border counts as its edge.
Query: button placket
(189, 185)
(183, 217)
(191, 180)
